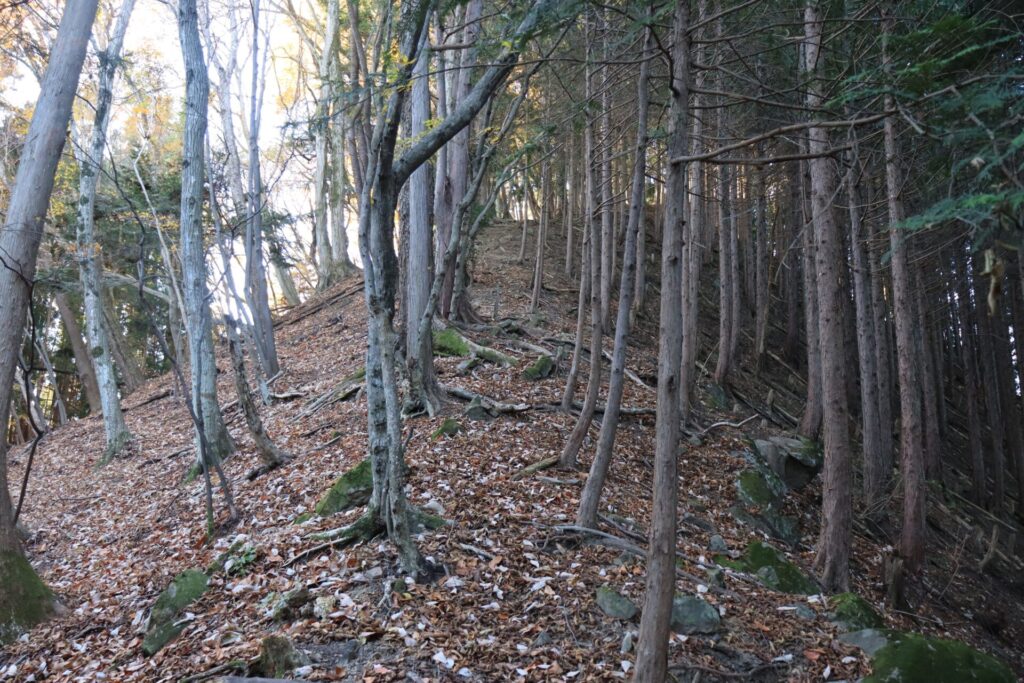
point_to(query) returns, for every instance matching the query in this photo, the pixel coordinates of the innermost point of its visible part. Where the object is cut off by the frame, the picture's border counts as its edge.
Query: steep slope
(519, 598)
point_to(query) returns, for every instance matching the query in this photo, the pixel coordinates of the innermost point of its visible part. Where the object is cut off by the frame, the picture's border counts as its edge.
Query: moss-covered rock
(795, 461)
(25, 600)
(450, 427)
(448, 342)
(540, 368)
(615, 604)
(351, 490)
(493, 356)
(853, 613)
(912, 658)
(773, 570)
(163, 624)
(754, 489)
(476, 410)
(694, 615)
(278, 657)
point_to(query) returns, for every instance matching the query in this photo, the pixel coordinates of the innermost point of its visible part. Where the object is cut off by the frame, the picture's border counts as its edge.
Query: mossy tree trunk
(24, 600)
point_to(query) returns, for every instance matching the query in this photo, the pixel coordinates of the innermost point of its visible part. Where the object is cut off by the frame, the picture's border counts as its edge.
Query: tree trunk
(83, 361)
(871, 429)
(24, 600)
(725, 275)
(542, 234)
(89, 263)
(420, 267)
(810, 422)
(762, 287)
(833, 558)
(591, 496)
(652, 642)
(911, 439)
(570, 452)
(193, 255)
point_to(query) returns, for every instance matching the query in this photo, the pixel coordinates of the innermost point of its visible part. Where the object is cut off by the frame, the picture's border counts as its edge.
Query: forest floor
(517, 600)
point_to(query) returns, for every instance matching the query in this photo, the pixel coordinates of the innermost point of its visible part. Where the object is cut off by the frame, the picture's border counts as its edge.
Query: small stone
(476, 410)
(615, 604)
(324, 606)
(694, 615)
(695, 441)
(543, 639)
(717, 544)
(279, 657)
(627, 643)
(716, 577)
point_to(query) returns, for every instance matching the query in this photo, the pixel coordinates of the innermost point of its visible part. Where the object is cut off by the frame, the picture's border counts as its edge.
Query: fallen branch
(535, 467)
(734, 425)
(303, 313)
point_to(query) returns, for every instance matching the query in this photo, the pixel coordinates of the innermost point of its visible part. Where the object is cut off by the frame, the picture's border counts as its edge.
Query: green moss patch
(450, 427)
(773, 570)
(754, 489)
(25, 600)
(163, 625)
(543, 367)
(448, 342)
(854, 613)
(351, 490)
(913, 658)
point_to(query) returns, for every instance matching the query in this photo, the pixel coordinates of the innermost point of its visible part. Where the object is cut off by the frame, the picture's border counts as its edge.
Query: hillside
(517, 601)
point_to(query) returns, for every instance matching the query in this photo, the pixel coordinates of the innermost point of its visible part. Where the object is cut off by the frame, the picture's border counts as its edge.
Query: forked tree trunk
(652, 643)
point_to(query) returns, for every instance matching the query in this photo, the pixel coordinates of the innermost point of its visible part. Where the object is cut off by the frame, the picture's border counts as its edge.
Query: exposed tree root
(365, 528)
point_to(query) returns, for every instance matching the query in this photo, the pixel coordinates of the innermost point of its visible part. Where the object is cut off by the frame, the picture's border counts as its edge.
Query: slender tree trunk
(193, 255)
(570, 203)
(725, 276)
(762, 287)
(911, 437)
(591, 496)
(652, 643)
(606, 207)
(89, 263)
(255, 269)
(810, 422)
(871, 428)
(570, 453)
(542, 235)
(972, 383)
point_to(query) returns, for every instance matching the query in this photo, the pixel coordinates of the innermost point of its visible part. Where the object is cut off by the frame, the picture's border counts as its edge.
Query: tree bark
(652, 642)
